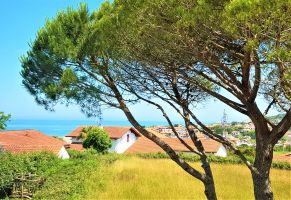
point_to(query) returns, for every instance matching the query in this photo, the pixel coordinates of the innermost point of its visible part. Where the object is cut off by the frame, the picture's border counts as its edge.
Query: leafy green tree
(234, 123)
(218, 129)
(3, 120)
(75, 58)
(96, 138)
(170, 48)
(242, 47)
(252, 134)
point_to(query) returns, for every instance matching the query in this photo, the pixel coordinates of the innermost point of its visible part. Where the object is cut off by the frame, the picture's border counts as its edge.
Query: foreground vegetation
(134, 178)
(12, 165)
(89, 175)
(63, 179)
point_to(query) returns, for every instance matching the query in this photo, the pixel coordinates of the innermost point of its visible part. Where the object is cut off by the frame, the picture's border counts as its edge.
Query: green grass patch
(138, 178)
(281, 152)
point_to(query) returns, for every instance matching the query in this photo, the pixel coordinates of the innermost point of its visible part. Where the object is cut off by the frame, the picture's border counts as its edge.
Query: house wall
(68, 139)
(121, 145)
(221, 151)
(63, 153)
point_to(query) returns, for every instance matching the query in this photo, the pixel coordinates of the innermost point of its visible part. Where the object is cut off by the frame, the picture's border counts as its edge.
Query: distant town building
(239, 142)
(168, 132)
(248, 126)
(235, 133)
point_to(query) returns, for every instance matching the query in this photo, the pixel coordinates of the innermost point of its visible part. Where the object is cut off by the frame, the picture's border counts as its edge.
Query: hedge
(11, 165)
(64, 179)
(213, 159)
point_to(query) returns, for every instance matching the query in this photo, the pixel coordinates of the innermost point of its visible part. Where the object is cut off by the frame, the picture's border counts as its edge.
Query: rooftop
(144, 145)
(114, 132)
(21, 141)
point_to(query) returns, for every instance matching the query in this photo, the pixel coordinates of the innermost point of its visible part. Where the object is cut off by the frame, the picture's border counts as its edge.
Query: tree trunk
(264, 156)
(209, 181)
(261, 178)
(209, 191)
(207, 178)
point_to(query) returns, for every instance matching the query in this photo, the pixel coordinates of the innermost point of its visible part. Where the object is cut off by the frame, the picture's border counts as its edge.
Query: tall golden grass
(136, 178)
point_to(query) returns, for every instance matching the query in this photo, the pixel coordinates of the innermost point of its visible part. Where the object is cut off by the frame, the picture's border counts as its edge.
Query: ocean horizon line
(56, 127)
(103, 120)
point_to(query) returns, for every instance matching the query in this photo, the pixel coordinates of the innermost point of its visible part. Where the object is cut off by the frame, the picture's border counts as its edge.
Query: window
(127, 137)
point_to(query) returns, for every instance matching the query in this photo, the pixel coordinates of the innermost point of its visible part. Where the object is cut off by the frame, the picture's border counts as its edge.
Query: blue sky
(20, 20)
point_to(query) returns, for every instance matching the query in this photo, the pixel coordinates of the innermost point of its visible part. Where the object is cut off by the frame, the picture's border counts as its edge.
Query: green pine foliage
(3, 120)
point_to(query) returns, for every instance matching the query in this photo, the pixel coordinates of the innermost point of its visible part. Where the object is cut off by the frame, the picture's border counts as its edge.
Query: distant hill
(276, 118)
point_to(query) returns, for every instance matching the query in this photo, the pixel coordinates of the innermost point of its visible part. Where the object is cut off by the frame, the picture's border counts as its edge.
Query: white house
(122, 137)
(222, 152)
(63, 153)
(25, 141)
(129, 140)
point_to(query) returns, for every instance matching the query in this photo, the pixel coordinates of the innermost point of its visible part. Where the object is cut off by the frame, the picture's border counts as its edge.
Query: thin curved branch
(257, 81)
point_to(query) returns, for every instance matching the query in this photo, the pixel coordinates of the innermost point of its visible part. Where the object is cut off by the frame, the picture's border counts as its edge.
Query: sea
(63, 127)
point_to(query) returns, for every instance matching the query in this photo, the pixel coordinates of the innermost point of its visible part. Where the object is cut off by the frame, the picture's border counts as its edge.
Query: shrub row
(231, 159)
(69, 179)
(11, 165)
(64, 179)
(281, 165)
(283, 149)
(87, 154)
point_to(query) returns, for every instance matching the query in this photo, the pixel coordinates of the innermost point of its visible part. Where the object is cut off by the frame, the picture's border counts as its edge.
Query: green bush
(193, 158)
(248, 151)
(281, 165)
(252, 134)
(11, 165)
(86, 154)
(64, 179)
(96, 138)
(68, 179)
(153, 155)
(283, 149)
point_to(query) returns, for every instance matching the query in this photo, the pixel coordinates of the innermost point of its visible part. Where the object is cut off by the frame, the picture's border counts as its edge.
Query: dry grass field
(136, 178)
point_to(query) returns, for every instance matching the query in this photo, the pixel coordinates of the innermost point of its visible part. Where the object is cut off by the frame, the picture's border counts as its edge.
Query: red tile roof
(144, 145)
(78, 147)
(283, 158)
(114, 132)
(23, 141)
(76, 132)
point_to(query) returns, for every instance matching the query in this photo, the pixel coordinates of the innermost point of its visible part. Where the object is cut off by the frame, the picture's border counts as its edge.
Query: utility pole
(224, 123)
